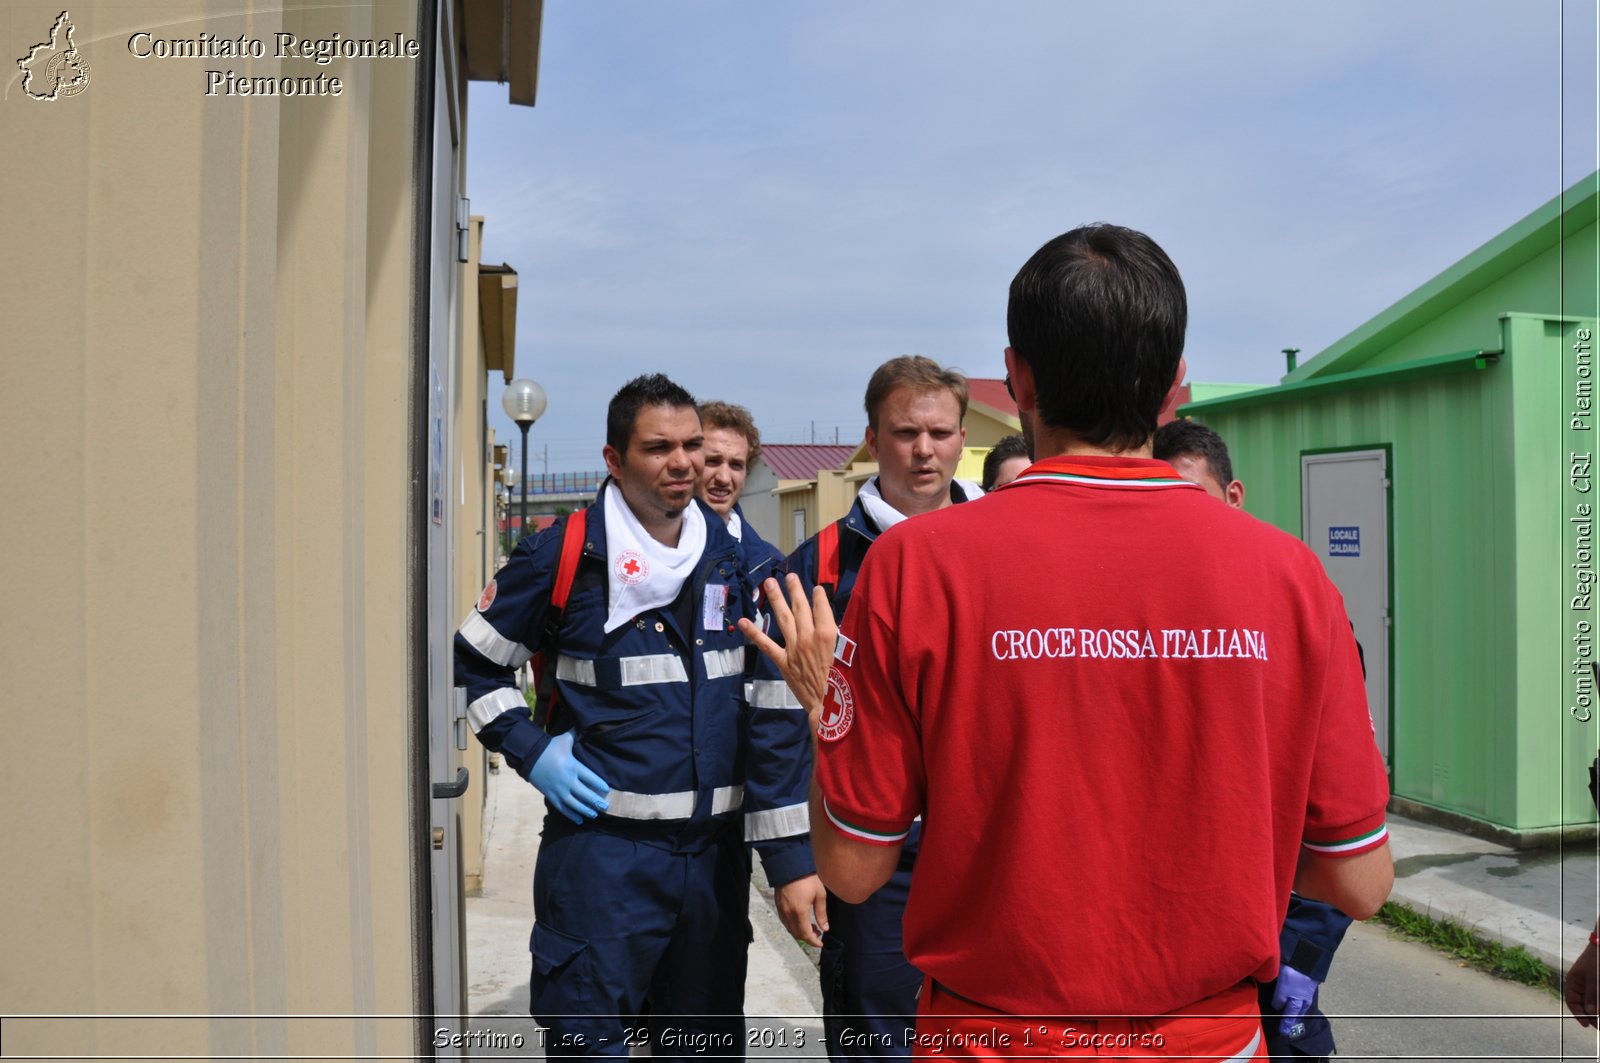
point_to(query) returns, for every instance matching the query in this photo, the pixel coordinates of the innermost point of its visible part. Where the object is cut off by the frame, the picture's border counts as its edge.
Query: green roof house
(1440, 460)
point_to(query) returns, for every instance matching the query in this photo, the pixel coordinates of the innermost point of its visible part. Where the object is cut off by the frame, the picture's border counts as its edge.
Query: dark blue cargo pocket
(552, 949)
(564, 994)
(561, 995)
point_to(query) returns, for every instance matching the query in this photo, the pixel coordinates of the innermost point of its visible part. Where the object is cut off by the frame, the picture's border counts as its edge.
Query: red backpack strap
(828, 556)
(571, 553)
(572, 544)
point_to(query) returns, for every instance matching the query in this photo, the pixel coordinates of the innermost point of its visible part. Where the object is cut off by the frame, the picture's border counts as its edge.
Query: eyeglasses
(1013, 394)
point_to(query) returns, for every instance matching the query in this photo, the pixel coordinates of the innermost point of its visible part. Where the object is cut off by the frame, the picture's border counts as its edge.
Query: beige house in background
(248, 481)
(783, 465)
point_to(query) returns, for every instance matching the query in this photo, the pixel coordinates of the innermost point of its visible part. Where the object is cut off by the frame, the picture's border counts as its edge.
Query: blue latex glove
(574, 790)
(1293, 994)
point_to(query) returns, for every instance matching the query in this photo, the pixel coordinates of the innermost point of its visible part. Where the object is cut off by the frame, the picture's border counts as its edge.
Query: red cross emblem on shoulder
(838, 707)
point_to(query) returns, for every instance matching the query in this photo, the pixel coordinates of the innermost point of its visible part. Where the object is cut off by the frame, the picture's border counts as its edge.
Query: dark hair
(1012, 446)
(651, 390)
(1177, 438)
(916, 374)
(1099, 315)
(735, 419)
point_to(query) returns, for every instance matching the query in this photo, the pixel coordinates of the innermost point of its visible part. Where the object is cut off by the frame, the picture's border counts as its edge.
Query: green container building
(1440, 460)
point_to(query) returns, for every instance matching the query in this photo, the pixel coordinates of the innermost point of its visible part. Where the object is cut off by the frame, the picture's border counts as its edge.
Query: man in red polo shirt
(1130, 718)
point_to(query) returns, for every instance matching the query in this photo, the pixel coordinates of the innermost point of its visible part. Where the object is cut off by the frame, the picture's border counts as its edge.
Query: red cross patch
(486, 599)
(838, 708)
(631, 567)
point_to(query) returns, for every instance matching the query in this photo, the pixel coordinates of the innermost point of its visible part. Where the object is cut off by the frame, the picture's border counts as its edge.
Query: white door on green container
(1345, 519)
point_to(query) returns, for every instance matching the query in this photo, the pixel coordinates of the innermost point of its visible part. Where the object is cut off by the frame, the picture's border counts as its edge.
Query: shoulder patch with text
(838, 708)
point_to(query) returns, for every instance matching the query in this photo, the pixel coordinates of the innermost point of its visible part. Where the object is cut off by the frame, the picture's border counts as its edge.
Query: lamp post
(524, 402)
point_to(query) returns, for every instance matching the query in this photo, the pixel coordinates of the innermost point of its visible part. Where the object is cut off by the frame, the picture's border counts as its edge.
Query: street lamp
(524, 402)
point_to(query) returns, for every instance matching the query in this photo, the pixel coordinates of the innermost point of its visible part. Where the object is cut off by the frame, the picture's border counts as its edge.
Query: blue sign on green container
(1344, 542)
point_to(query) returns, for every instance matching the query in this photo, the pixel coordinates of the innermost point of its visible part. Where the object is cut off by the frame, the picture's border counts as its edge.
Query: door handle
(446, 790)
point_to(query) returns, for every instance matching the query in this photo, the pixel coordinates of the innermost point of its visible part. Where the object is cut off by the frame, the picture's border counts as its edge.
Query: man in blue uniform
(641, 884)
(776, 800)
(1295, 1027)
(914, 412)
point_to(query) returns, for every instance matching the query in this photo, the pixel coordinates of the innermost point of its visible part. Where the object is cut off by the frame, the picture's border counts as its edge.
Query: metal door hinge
(458, 715)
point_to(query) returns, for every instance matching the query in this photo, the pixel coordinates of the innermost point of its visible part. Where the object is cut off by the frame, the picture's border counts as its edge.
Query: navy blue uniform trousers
(634, 915)
(869, 989)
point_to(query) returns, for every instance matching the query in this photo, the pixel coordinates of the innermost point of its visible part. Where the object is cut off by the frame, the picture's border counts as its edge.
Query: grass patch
(1513, 963)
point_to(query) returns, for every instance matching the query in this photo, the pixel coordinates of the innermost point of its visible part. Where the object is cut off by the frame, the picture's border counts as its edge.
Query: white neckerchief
(886, 516)
(735, 525)
(642, 573)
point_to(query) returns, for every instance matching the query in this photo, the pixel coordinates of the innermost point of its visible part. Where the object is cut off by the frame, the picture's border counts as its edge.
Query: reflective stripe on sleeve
(726, 799)
(492, 704)
(720, 663)
(770, 694)
(631, 671)
(773, 823)
(496, 647)
(625, 805)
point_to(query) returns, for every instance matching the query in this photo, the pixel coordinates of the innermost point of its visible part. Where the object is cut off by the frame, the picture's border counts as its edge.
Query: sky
(766, 200)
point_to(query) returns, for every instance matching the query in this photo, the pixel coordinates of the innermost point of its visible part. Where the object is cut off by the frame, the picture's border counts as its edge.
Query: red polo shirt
(1121, 708)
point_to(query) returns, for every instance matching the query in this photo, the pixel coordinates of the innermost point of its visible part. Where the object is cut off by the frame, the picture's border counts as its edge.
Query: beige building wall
(792, 496)
(824, 500)
(207, 307)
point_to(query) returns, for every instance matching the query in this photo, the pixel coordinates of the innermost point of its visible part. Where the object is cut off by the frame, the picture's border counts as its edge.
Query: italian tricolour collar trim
(1102, 472)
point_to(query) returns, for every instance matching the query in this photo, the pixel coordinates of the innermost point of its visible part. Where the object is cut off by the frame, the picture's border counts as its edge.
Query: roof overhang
(497, 312)
(1549, 226)
(502, 44)
(789, 487)
(1319, 386)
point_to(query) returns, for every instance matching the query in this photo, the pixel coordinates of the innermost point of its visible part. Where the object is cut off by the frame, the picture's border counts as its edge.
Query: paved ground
(1542, 899)
(1392, 999)
(1400, 1000)
(782, 997)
